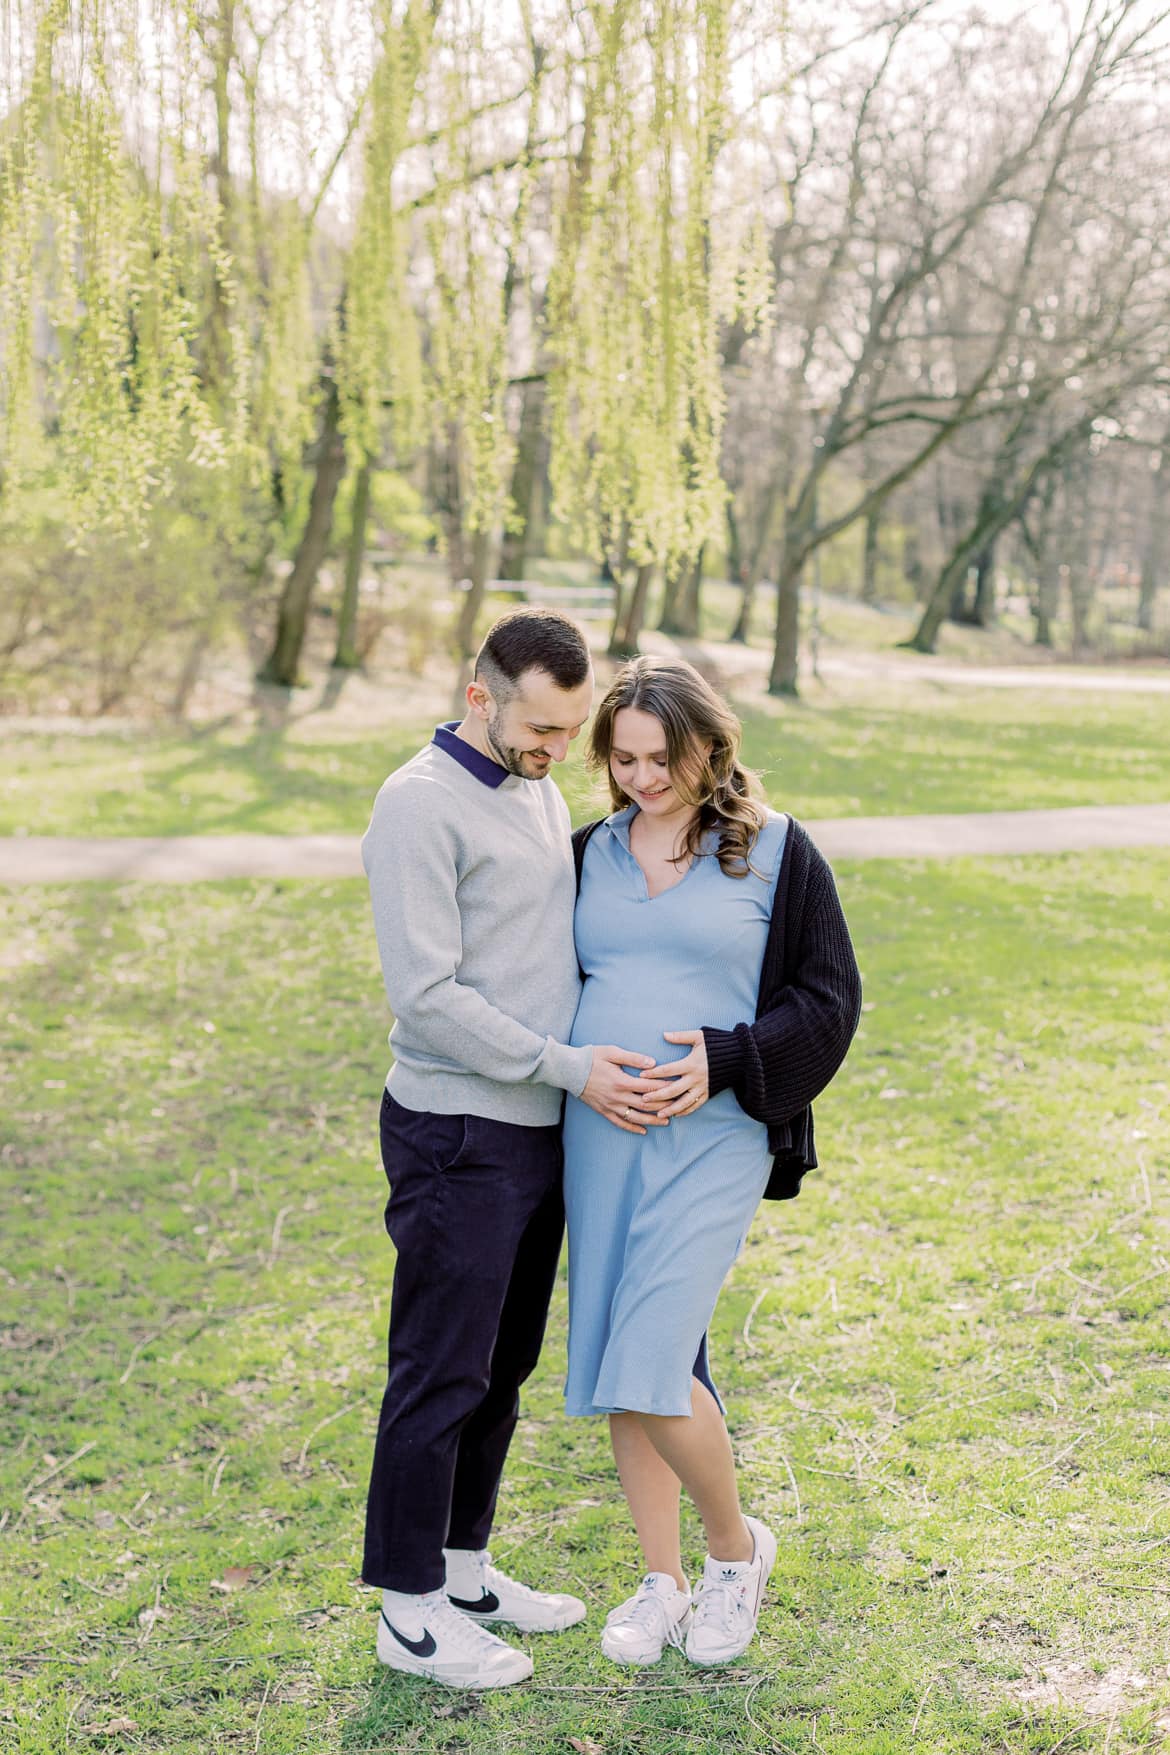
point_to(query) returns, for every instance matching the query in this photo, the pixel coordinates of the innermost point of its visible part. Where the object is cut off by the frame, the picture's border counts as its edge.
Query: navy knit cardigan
(808, 1008)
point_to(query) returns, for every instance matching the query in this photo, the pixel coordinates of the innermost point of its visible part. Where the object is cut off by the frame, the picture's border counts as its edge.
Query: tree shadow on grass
(398, 1707)
(217, 784)
(946, 759)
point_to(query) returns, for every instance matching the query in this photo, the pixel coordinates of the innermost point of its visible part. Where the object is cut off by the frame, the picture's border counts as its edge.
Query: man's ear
(478, 699)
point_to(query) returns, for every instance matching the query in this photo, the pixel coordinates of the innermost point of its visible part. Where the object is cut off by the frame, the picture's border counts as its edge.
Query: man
(472, 885)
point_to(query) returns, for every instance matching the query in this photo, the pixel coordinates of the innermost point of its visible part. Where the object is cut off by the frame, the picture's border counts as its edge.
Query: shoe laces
(722, 1603)
(444, 1620)
(494, 1579)
(648, 1609)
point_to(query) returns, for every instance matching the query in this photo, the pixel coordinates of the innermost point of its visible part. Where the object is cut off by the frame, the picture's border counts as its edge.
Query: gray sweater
(473, 890)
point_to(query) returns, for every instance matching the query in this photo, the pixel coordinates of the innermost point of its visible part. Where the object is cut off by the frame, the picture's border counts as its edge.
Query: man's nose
(558, 747)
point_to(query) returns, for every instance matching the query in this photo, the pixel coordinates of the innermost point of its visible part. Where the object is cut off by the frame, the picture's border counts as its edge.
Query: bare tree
(956, 170)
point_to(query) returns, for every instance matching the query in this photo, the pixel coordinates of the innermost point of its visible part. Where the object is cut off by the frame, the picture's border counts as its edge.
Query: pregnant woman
(697, 906)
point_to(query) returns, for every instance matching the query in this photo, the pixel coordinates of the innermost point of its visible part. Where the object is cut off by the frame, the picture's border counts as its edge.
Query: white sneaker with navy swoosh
(483, 1593)
(728, 1599)
(433, 1639)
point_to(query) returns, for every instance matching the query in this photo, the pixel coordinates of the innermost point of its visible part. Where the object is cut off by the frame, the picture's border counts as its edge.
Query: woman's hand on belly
(621, 1097)
(684, 1083)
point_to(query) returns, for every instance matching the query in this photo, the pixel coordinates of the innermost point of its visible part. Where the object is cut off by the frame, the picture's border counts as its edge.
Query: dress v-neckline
(653, 895)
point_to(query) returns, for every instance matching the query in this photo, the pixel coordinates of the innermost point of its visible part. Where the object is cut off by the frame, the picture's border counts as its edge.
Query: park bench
(589, 601)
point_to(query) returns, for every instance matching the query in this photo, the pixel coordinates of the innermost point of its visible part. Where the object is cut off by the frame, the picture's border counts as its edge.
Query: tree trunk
(450, 506)
(741, 632)
(690, 607)
(912, 567)
(346, 657)
(1080, 598)
(735, 562)
(1153, 565)
(292, 617)
(481, 548)
(952, 577)
(995, 513)
(1154, 555)
(628, 626)
(1047, 600)
(527, 483)
(984, 611)
(873, 523)
(673, 579)
(222, 51)
(959, 609)
(1000, 503)
(785, 654)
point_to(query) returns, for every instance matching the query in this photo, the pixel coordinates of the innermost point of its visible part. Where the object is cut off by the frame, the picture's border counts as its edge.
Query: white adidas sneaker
(657, 1615)
(483, 1593)
(728, 1599)
(435, 1640)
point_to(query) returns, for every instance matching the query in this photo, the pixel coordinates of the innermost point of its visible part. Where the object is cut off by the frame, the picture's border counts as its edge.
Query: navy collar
(489, 772)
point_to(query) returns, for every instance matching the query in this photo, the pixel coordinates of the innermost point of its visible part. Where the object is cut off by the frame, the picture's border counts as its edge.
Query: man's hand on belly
(619, 1095)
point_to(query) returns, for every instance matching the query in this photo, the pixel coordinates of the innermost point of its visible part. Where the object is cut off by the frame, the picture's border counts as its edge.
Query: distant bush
(93, 628)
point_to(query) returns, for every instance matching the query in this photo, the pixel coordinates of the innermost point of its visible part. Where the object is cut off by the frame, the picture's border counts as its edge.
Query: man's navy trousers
(476, 1217)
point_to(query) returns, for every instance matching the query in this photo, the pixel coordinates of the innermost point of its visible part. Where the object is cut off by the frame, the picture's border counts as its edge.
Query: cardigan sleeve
(781, 1062)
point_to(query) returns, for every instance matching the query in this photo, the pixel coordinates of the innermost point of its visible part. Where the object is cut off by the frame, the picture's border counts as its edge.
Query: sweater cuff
(567, 1068)
(725, 1060)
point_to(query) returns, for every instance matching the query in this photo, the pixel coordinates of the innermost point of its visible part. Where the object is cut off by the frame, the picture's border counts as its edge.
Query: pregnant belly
(633, 1021)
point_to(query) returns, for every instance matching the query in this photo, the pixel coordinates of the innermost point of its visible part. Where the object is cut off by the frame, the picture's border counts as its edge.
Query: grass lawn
(947, 1364)
(865, 750)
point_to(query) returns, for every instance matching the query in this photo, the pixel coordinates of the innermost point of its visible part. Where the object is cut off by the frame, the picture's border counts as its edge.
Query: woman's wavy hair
(727, 794)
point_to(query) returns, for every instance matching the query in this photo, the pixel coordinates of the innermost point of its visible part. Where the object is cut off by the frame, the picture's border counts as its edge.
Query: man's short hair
(531, 639)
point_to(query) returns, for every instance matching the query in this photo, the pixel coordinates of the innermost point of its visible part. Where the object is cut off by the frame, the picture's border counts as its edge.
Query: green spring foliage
(205, 212)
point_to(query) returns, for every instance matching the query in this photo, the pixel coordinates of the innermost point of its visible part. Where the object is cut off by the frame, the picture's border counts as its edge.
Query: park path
(43, 859)
(880, 664)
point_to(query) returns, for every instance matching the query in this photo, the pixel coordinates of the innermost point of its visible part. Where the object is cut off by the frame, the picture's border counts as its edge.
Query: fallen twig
(260, 1714)
(1089, 1285)
(921, 1704)
(638, 1689)
(1154, 1274)
(73, 1712)
(795, 1488)
(41, 1657)
(747, 1340)
(1059, 1457)
(59, 1468)
(153, 1614)
(141, 1346)
(274, 1245)
(532, 1462)
(320, 1427)
(1075, 1732)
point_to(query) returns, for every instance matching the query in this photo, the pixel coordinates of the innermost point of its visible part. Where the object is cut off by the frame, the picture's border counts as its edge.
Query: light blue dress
(656, 1221)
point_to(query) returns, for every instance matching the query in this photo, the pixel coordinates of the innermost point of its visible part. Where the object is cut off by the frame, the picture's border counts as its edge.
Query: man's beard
(509, 758)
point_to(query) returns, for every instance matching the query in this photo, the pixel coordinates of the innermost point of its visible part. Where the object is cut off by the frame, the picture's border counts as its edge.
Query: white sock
(723, 1567)
(464, 1572)
(663, 1583)
(405, 1610)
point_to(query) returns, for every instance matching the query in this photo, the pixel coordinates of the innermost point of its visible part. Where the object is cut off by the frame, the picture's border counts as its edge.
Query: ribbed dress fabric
(656, 1221)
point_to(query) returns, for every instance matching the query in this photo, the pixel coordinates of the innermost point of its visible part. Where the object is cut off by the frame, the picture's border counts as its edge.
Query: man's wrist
(565, 1066)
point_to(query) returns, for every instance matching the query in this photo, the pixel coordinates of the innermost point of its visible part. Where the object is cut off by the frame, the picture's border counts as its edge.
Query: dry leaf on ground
(234, 1578)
